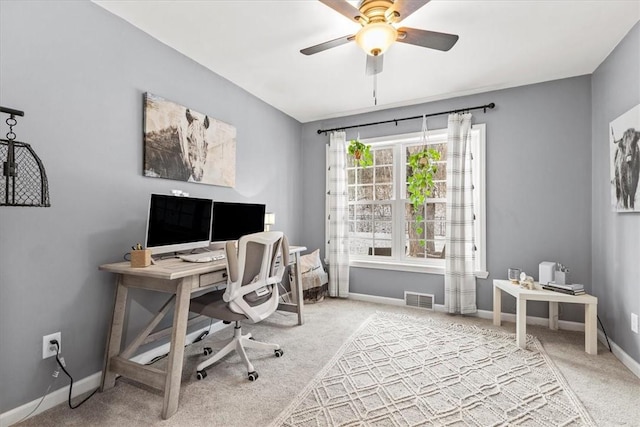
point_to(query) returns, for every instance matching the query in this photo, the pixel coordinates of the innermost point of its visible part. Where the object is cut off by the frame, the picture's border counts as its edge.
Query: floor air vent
(413, 299)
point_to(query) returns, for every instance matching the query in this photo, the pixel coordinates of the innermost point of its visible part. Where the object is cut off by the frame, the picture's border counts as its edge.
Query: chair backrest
(255, 268)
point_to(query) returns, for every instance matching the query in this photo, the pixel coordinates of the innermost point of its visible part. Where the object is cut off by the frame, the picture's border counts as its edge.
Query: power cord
(54, 374)
(62, 365)
(197, 339)
(605, 333)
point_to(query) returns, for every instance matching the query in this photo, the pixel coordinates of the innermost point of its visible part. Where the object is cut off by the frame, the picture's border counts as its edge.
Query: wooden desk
(180, 279)
(523, 295)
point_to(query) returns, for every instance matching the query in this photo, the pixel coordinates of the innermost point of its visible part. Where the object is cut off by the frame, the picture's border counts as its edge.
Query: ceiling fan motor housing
(377, 33)
(377, 11)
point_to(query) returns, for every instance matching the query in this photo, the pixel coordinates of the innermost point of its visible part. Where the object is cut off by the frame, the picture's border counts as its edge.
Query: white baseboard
(508, 317)
(54, 398)
(623, 357)
(91, 382)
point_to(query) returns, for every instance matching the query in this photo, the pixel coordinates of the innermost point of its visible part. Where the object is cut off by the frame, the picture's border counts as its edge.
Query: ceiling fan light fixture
(376, 37)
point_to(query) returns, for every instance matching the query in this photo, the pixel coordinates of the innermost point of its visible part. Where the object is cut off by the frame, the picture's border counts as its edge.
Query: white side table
(523, 295)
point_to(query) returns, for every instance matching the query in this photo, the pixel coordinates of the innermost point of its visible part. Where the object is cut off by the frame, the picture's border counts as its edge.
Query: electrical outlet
(634, 322)
(48, 349)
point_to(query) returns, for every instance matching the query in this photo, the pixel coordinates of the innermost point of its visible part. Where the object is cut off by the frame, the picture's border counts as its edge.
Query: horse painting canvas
(185, 145)
(624, 162)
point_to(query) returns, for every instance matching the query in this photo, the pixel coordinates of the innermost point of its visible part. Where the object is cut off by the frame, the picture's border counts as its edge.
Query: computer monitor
(233, 220)
(176, 224)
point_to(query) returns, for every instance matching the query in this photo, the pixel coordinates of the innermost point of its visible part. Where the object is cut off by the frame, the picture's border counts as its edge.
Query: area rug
(399, 370)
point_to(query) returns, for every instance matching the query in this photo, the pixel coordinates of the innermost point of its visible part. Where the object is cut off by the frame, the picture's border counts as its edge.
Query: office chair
(251, 295)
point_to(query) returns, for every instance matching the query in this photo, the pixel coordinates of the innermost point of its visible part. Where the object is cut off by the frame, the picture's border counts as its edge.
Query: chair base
(237, 343)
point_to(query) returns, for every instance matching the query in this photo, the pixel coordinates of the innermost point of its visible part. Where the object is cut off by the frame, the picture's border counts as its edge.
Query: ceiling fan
(378, 19)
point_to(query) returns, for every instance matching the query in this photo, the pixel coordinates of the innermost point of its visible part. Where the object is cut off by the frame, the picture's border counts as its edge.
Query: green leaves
(361, 153)
(420, 182)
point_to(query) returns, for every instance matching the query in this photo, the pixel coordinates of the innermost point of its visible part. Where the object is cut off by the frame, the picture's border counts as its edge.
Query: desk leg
(114, 339)
(176, 354)
(590, 328)
(553, 315)
(521, 322)
(497, 306)
(296, 289)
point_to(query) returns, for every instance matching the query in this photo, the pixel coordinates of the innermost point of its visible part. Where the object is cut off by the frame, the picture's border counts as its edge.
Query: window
(382, 227)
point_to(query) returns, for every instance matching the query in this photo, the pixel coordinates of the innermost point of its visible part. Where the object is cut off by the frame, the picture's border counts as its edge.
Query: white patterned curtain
(459, 278)
(338, 216)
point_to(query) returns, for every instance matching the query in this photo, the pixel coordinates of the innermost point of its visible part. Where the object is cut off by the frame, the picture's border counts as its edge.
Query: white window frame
(430, 265)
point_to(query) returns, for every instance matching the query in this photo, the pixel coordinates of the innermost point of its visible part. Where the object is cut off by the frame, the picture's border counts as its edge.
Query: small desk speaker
(547, 272)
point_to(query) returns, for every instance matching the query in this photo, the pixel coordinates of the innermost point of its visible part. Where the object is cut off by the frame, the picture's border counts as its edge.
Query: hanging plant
(423, 168)
(361, 153)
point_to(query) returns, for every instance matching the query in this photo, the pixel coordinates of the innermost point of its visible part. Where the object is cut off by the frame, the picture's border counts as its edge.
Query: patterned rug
(399, 370)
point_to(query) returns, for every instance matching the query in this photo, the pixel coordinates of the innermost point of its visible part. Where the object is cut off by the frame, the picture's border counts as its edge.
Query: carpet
(399, 370)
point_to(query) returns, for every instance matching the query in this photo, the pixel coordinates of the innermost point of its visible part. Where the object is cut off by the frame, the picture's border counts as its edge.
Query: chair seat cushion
(212, 305)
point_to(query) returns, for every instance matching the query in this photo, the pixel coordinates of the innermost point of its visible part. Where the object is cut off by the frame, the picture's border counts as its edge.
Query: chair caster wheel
(201, 375)
(208, 351)
(278, 352)
(253, 376)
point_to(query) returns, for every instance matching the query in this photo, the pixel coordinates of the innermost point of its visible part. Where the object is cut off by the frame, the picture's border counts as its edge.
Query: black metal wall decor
(23, 181)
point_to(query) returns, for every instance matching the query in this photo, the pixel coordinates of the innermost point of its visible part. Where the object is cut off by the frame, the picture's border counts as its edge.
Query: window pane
(352, 193)
(381, 248)
(441, 171)
(440, 148)
(365, 175)
(371, 230)
(358, 246)
(382, 212)
(351, 176)
(383, 156)
(363, 212)
(384, 174)
(384, 192)
(365, 192)
(439, 190)
(436, 211)
(382, 229)
(364, 227)
(414, 149)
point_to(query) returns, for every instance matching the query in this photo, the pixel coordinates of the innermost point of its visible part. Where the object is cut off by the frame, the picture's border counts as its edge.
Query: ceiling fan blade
(424, 38)
(374, 65)
(403, 8)
(343, 8)
(327, 45)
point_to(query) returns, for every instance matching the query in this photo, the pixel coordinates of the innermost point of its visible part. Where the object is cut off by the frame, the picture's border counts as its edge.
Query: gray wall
(538, 186)
(615, 266)
(79, 74)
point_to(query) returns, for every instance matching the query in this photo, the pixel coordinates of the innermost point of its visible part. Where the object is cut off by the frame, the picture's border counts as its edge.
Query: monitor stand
(217, 246)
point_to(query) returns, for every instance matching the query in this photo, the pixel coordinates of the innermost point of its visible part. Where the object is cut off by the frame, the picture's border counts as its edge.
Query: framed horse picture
(185, 145)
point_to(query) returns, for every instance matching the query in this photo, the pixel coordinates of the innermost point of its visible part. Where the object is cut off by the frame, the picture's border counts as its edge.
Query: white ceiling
(256, 45)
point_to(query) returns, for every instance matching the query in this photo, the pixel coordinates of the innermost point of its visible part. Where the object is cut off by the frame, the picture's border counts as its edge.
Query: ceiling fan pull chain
(375, 89)
(425, 129)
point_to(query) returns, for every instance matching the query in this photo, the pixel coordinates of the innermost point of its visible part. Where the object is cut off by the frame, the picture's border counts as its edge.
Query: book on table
(564, 291)
(568, 286)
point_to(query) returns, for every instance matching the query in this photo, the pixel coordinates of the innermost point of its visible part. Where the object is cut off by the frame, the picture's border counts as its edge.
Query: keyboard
(203, 257)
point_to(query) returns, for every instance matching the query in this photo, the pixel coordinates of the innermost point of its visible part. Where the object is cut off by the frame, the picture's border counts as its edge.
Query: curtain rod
(11, 111)
(481, 107)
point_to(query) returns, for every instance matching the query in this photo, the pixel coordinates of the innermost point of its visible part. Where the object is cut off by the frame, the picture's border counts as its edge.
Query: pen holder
(141, 258)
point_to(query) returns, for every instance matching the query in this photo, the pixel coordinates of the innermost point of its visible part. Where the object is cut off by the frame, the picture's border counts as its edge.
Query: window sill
(414, 268)
(398, 266)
